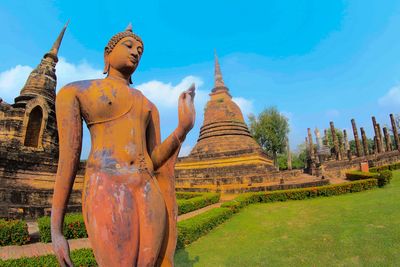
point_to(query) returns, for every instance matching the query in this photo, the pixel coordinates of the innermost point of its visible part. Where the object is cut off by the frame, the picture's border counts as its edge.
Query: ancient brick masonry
(29, 142)
(364, 142)
(335, 141)
(395, 133)
(356, 139)
(225, 152)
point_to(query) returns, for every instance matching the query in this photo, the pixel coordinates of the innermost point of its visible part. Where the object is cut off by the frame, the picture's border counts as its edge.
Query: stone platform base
(31, 203)
(300, 182)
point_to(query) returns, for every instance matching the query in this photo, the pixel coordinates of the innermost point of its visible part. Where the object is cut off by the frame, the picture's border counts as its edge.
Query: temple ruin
(29, 143)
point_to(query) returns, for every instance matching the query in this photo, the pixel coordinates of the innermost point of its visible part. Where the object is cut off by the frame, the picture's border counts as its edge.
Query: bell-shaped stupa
(225, 152)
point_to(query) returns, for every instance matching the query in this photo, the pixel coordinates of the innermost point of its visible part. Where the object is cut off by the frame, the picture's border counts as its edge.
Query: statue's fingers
(192, 90)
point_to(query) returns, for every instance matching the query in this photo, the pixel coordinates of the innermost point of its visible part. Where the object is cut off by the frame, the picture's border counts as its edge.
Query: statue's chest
(110, 105)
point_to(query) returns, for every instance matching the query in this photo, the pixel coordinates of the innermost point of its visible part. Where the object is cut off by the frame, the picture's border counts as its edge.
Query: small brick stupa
(225, 155)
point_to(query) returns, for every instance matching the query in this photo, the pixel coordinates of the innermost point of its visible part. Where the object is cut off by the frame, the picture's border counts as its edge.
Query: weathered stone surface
(356, 139)
(29, 142)
(364, 142)
(335, 141)
(378, 143)
(388, 141)
(335, 169)
(395, 133)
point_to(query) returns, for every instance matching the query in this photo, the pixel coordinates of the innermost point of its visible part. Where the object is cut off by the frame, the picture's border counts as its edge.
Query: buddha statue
(128, 200)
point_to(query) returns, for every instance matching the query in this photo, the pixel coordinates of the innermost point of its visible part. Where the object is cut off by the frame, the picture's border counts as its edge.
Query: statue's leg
(152, 220)
(167, 186)
(112, 220)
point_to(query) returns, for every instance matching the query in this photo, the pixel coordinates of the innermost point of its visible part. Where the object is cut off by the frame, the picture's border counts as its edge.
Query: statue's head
(123, 52)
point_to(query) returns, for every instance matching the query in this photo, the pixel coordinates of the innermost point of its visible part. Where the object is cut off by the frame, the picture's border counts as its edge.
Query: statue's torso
(117, 117)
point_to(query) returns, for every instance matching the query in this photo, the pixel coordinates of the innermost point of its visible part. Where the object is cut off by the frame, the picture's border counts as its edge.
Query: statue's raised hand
(61, 249)
(186, 111)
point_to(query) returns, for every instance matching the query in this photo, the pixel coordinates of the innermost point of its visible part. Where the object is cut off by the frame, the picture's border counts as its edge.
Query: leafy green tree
(298, 161)
(270, 129)
(339, 137)
(301, 157)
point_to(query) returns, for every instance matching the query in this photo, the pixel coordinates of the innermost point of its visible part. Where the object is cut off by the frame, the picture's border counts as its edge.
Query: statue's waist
(122, 168)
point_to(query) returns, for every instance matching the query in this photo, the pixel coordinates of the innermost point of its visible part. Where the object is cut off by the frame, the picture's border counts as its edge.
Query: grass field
(360, 229)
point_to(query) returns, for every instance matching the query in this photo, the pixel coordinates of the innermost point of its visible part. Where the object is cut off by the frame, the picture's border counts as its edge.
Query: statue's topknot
(117, 37)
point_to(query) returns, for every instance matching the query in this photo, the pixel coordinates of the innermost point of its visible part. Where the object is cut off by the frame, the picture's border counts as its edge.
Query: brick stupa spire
(225, 142)
(43, 80)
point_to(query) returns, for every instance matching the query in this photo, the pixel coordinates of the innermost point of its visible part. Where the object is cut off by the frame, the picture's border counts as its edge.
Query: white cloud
(12, 81)
(68, 72)
(391, 98)
(165, 94)
(245, 105)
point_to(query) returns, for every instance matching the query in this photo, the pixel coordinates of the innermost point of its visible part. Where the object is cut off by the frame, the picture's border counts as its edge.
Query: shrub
(391, 167)
(74, 227)
(191, 229)
(394, 166)
(198, 202)
(13, 232)
(187, 195)
(298, 194)
(80, 257)
(384, 178)
(358, 175)
(380, 168)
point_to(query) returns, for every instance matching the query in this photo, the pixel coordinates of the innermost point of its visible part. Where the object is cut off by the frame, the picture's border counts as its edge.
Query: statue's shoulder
(83, 85)
(146, 102)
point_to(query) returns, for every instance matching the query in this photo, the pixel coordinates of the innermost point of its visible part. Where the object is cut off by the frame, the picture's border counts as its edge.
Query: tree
(339, 138)
(270, 129)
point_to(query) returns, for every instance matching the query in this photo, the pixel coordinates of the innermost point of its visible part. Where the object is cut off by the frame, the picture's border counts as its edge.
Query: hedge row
(13, 232)
(390, 167)
(80, 257)
(195, 203)
(299, 194)
(74, 226)
(383, 176)
(191, 229)
(187, 195)
(359, 175)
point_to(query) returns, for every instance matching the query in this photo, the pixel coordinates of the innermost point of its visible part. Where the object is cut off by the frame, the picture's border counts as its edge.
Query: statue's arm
(69, 125)
(159, 152)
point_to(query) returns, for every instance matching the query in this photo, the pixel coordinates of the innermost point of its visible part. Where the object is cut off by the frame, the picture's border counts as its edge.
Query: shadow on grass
(182, 258)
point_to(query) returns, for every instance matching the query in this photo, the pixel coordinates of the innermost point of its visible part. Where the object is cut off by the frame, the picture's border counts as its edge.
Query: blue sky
(316, 61)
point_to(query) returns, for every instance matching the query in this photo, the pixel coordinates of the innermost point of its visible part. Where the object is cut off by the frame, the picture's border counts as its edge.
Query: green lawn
(359, 229)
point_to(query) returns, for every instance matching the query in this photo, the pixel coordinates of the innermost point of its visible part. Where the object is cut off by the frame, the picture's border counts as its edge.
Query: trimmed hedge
(384, 178)
(198, 202)
(382, 174)
(13, 232)
(298, 194)
(191, 229)
(187, 195)
(390, 167)
(80, 257)
(359, 175)
(74, 227)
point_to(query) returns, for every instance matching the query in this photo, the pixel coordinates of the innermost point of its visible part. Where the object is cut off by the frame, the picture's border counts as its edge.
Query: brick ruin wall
(334, 169)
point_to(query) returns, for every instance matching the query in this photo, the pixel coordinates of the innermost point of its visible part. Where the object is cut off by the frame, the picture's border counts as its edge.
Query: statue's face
(126, 55)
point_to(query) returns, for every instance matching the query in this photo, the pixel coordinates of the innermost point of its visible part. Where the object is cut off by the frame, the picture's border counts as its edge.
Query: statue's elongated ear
(106, 64)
